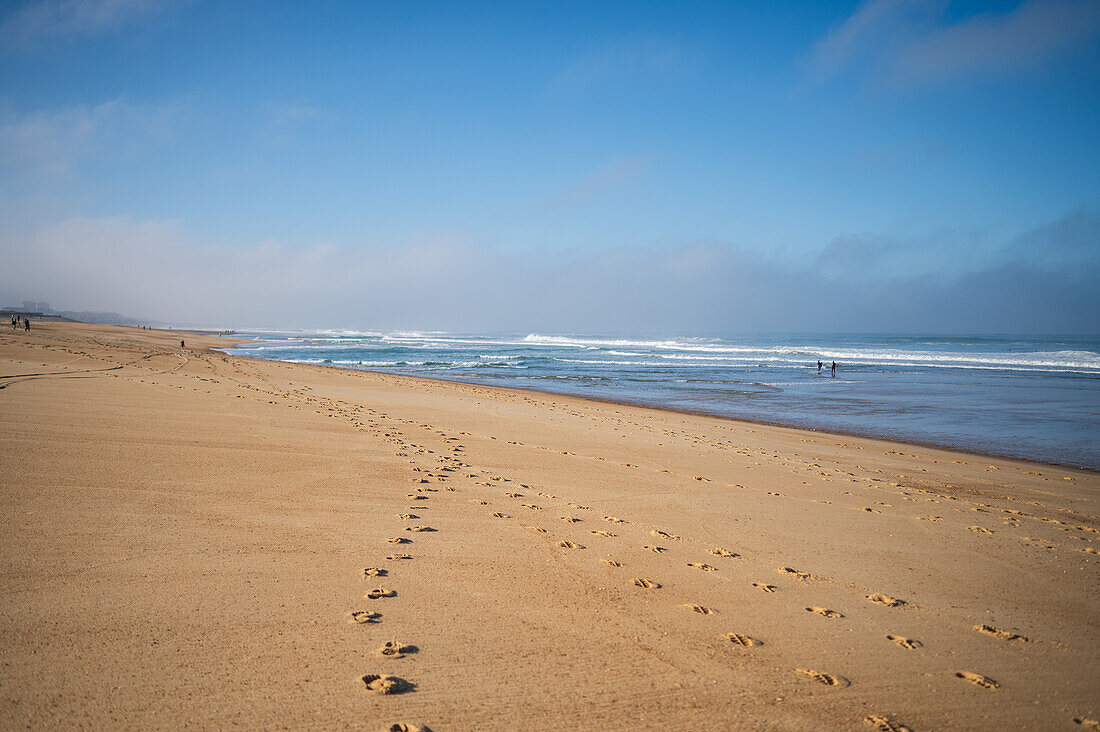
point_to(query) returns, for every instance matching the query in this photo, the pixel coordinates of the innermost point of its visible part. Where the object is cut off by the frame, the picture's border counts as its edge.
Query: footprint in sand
(536, 528)
(612, 562)
(703, 567)
(907, 643)
(531, 506)
(880, 599)
(607, 534)
(395, 649)
(884, 724)
(379, 592)
(656, 549)
(498, 514)
(375, 572)
(870, 510)
(570, 519)
(719, 552)
(514, 495)
(579, 506)
(645, 584)
(739, 639)
(977, 679)
(1000, 634)
(1087, 723)
(791, 572)
(386, 684)
(569, 545)
(980, 530)
(407, 727)
(764, 586)
(613, 520)
(701, 609)
(399, 540)
(824, 612)
(419, 528)
(361, 617)
(479, 502)
(407, 516)
(827, 679)
(665, 535)
(398, 557)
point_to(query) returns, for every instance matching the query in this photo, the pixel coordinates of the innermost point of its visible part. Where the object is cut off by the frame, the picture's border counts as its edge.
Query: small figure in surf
(834, 369)
(819, 365)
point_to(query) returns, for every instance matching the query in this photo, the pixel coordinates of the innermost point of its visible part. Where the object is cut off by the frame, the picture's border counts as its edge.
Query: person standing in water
(834, 369)
(819, 365)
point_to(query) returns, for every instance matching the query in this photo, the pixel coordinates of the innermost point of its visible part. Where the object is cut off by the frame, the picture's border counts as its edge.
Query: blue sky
(892, 165)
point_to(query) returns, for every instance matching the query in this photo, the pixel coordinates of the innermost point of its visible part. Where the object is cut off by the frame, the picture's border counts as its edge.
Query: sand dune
(194, 539)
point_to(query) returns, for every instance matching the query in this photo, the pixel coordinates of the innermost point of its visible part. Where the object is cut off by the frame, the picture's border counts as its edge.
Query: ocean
(1028, 397)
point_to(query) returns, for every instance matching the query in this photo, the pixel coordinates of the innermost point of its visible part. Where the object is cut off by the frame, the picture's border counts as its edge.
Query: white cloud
(874, 25)
(1025, 38)
(908, 42)
(44, 145)
(610, 176)
(43, 19)
(623, 58)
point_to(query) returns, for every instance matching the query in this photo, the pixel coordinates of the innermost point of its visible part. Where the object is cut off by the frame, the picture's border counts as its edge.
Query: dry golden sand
(192, 539)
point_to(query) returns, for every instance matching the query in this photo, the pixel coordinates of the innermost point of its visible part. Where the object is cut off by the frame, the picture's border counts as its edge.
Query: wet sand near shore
(195, 539)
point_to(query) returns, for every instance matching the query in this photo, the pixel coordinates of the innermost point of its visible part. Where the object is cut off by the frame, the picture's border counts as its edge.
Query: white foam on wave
(1074, 360)
(705, 352)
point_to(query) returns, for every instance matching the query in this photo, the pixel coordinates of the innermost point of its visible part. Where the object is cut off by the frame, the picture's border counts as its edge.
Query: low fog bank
(1043, 281)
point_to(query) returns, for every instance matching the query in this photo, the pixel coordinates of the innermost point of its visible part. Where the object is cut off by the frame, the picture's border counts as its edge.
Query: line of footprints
(395, 649)
(878, 722)
(389, 684)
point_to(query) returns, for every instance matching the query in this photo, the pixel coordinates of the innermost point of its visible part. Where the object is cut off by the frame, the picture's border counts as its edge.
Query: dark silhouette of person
(834, 369)
(26, 324)
(182, 345)
(819, 365)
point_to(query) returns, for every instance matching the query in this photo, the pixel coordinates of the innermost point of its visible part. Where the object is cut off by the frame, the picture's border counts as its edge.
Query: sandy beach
(198, 540)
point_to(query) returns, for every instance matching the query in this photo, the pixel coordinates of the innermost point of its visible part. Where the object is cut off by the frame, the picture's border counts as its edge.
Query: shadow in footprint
(387, 684)
(396, 649)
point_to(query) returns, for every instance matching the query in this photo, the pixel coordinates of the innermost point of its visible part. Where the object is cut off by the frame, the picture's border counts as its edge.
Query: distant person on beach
(14, 322)
(834, 369)
(182, 345)
(819, 365)
(26, 324)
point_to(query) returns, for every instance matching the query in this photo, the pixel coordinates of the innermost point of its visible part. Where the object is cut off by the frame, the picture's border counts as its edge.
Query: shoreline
(695, 413)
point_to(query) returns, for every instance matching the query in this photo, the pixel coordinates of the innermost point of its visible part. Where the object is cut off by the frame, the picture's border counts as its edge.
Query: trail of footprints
(451, 464)
(742, 640)
(392, 650)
